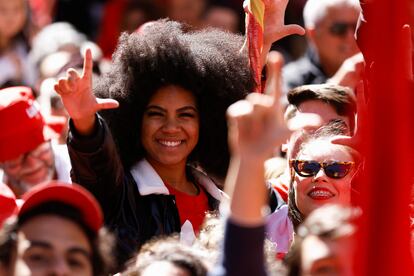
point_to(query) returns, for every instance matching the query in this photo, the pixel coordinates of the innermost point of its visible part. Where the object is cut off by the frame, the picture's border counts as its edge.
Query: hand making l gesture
(78, 98)
(274, 22)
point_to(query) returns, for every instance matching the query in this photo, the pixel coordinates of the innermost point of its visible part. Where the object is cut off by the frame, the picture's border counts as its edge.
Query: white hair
(315, 10)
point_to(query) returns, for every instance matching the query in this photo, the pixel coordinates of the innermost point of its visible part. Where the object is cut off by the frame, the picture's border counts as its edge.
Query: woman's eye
(38, 259)
(187, 115)
(73, 262)
(154, 114)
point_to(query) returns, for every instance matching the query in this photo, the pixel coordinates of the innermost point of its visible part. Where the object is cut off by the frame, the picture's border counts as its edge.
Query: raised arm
(78, 98)
(256, 127)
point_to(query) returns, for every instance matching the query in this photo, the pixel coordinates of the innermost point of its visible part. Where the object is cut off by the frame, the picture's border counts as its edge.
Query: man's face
(30, 169)
(51, 245)
(326, 257)
(334, 38)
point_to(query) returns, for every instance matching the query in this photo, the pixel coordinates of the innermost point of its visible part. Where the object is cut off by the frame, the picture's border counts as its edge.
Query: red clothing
(192, 208)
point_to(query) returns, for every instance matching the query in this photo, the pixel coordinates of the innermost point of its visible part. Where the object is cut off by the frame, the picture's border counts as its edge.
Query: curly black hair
(208, 63)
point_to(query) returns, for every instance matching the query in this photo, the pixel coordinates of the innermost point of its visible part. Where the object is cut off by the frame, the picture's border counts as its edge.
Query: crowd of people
(132, 143)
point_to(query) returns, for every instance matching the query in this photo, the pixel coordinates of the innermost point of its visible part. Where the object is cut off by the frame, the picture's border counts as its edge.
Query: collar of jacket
(149, 182)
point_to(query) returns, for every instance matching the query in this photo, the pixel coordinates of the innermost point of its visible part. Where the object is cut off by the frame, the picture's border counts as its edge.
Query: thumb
(292, 29)
(106, 103)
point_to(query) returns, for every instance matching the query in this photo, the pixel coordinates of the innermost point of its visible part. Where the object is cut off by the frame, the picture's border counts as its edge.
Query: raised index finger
(87, 64)
(274, 71)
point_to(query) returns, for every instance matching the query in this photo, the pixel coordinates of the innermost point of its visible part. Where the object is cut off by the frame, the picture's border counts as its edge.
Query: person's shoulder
(295, 72)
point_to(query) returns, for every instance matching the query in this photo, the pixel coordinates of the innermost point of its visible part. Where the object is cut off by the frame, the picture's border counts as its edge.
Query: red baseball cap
(70, 194)
(8, 205)
(23, 127)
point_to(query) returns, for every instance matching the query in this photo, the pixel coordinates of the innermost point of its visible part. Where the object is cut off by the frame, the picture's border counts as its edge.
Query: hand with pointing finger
(78, 98)
(256, 124)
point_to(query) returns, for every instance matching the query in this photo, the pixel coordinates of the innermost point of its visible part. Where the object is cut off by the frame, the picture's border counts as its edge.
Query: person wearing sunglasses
(321, 173)
(330, 27)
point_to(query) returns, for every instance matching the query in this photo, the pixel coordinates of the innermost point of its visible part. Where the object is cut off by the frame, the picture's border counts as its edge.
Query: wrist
(84, 126)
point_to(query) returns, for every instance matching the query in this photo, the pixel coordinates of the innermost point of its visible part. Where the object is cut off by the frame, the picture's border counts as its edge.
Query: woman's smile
(170, 126)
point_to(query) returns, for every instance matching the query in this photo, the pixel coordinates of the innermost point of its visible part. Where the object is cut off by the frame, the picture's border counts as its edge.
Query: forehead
(321, 150)
(60, 233)
(173, 95)
(326, 111)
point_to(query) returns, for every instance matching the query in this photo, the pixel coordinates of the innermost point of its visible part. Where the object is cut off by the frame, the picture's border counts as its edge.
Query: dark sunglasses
(341, 28)
(333, 169)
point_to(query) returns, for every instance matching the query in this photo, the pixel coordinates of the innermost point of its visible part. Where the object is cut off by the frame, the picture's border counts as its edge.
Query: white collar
(149, 182)
(147, 179)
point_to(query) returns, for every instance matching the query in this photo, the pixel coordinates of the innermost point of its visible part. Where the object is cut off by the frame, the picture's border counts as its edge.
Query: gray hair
(315, 10)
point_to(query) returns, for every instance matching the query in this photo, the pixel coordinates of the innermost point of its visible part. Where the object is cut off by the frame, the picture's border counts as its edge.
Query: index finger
(87, 64)
(274, 70)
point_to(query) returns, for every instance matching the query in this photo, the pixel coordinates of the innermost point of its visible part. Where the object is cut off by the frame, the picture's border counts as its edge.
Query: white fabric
(279, 229)
(187, 235)
(62, 162)
(203, 180)
(149, 182)
(147, 179)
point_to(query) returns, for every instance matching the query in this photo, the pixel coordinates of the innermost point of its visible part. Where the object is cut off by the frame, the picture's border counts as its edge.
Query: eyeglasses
(332, 169)
(341, 28)
(37, 153)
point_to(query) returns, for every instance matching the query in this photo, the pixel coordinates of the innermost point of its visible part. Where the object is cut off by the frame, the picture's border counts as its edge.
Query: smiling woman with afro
(155, 162)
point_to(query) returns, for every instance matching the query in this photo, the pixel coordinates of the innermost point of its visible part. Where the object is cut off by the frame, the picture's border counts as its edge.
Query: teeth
(320, 193)
(169, 143)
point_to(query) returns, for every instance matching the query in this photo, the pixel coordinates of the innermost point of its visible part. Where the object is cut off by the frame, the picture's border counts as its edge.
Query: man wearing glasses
(330, 26)
(27, 156)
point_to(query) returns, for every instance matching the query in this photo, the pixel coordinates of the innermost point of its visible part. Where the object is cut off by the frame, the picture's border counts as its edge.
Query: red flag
(254, 10)
(383, 246)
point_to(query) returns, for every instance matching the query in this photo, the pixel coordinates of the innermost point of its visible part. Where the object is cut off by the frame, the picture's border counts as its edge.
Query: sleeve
(242, 252)
(96, 164)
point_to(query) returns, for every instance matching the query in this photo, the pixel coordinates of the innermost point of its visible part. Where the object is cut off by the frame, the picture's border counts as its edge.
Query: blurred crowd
(131, 143)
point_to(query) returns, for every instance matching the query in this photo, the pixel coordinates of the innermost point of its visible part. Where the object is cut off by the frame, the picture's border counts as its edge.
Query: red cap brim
(70, 194)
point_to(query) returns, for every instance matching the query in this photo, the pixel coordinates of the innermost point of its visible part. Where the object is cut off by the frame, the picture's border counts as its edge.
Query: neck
(174, 175)
(328, 68)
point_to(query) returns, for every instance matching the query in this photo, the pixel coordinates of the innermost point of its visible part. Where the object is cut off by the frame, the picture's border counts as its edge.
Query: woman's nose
(321, 176)
(60, 267)
(171, 125)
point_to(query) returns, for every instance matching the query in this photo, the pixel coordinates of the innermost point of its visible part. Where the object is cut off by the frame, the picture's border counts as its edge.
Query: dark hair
(101, 243)
(341, 98)
(329, 222)
(8, 238)
(207, 63)
(168, 249)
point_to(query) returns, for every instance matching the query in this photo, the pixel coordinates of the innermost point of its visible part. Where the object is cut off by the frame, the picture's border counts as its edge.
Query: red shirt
(192, 208)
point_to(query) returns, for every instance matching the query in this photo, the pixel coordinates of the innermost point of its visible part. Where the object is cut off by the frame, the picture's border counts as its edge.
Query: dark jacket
(305, 70)
(133, 218)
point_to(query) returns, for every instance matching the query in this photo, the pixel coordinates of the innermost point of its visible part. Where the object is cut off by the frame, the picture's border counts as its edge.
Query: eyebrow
(181, 109)
(48, 246)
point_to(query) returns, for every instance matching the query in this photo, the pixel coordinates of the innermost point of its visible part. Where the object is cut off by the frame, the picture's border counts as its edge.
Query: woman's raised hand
(274, 22)
(78, 98)
(256, 124)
